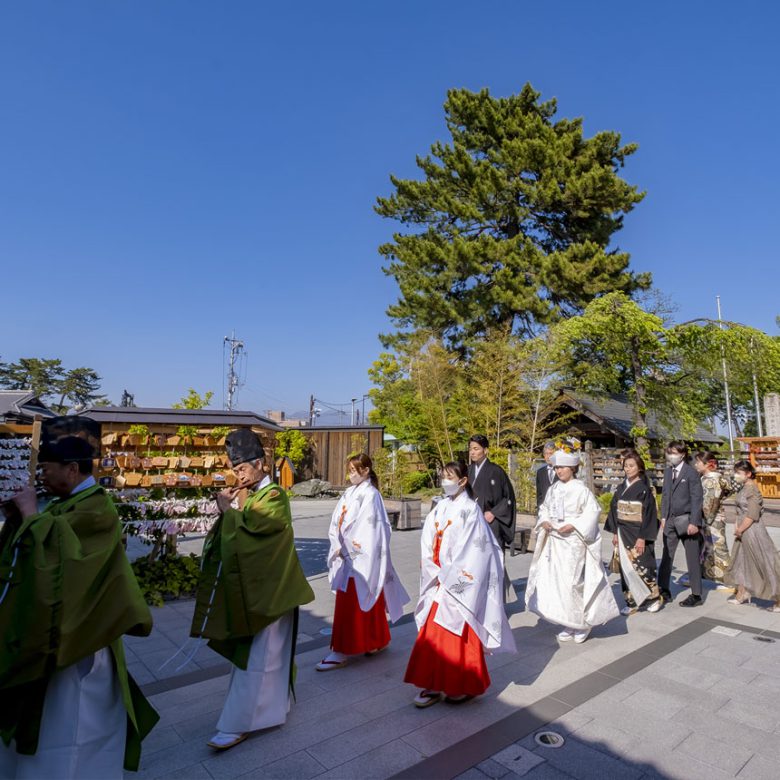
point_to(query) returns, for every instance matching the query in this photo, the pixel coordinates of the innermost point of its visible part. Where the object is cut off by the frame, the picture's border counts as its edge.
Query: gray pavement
(664, 695)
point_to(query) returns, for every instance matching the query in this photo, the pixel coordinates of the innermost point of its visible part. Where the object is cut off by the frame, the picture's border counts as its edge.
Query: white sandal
(427, 698)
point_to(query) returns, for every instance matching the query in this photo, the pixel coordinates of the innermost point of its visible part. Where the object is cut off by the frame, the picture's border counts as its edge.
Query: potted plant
(138, 435)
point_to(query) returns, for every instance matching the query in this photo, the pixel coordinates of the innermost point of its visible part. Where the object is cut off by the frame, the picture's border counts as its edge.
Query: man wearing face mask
(250, 587)
(681, 520)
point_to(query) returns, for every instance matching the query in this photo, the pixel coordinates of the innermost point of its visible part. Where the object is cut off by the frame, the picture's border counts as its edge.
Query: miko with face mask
(460, 614)
(360, 569)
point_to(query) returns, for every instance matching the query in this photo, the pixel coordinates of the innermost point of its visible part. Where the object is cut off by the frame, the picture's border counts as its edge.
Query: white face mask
(450, 487)
(356, 478)
(674, 460)
(739, 477)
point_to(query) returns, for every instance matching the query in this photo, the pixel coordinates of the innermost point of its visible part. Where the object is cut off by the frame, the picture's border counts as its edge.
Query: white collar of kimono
(87, 483)
(460, 497)
(266, 480)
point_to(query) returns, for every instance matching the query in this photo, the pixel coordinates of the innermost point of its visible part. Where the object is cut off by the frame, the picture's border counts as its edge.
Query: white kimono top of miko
(359, 536)
(567, 583)
(468, 584)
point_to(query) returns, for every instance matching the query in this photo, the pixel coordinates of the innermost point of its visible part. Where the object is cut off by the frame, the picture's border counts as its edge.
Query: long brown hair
(362, 462)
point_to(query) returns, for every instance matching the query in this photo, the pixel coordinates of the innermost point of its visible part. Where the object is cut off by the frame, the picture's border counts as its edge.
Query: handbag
(614, 563)
(681, 523)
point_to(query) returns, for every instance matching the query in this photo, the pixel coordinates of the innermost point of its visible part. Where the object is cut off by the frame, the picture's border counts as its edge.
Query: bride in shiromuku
(567, 583)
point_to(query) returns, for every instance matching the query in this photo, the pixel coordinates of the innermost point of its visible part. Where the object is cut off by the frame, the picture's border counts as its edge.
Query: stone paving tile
(492, 769)
(750, 716)
(298, 766)
(267, 747)
(378, 731)
(475, 773)
(161, 738)
(680, 766)
(516, 759)
(547, 771)
(759, 768)
(382, 762)
(192, 772)
(723, 755)
(586, 763)
(685, 693)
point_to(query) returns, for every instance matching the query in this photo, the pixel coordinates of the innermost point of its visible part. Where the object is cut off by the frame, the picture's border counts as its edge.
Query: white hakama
(259, 696)
(83, 727)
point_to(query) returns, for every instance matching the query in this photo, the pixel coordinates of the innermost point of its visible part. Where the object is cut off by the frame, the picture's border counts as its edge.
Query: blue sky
(171, 171)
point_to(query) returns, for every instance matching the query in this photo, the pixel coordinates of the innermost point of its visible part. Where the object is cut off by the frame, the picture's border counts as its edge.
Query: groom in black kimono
(496, 498)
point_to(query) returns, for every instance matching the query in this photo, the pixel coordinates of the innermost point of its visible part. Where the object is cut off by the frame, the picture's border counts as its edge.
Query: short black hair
(478, 438)
(678, 446)
(746, 466)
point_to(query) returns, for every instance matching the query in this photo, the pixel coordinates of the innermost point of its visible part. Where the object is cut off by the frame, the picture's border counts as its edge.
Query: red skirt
(355, 631)
(442, 661)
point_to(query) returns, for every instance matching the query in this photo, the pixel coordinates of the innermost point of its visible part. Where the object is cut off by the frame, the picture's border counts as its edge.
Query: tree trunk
(640, 399)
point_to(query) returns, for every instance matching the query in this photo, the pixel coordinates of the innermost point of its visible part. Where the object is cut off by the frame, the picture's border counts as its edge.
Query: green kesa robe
(66, 592)
(250, 575)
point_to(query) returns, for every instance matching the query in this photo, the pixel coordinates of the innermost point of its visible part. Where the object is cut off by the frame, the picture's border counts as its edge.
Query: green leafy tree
(294, 445)
(511, 224)
(80, 386)
(194, 400)
(41, 376)
(615, 346)
(49, 380)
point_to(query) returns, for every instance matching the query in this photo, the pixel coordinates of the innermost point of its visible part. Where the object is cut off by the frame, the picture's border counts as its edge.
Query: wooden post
(35, 446)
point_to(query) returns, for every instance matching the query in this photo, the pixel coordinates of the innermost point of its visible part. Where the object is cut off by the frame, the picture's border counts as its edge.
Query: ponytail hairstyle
(459, 469)
(362, 462)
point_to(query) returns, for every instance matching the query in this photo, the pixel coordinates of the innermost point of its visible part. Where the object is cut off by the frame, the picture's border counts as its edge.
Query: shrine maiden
(360, 569)
(460, 613)
(567, 583)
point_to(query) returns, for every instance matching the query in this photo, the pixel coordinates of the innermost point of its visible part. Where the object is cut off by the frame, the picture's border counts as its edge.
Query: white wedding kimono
(467, 586)
(567, 583)
(359, 536)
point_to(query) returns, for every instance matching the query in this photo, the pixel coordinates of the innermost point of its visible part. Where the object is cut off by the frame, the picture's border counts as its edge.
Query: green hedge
(168, 577)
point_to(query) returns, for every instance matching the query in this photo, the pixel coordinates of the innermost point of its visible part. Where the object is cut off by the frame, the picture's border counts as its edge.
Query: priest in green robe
(250, 588)
(68, 707)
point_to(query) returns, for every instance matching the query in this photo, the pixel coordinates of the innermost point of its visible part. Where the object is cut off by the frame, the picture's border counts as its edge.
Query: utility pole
(311, 410)
(756, 399)
(725, 382)
(232, 378)
(352, 417)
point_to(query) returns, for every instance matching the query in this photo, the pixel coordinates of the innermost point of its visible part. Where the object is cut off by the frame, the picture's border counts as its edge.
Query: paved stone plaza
(685, 693)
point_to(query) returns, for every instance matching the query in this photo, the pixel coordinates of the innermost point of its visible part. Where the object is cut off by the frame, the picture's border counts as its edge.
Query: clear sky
(171, 171)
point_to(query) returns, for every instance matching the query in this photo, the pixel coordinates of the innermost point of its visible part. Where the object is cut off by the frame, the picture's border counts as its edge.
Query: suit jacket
(494, 493)
(543, 484)
(683, 497)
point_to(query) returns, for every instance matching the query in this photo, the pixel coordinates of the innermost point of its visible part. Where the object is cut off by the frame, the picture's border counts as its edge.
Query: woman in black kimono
(633, 519)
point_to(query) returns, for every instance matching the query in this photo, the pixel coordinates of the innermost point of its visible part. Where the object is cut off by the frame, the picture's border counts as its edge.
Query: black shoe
(666, 596)
(691, 601)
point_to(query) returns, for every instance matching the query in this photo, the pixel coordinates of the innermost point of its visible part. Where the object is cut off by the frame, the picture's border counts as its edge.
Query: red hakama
(442, 661)
(355, 631)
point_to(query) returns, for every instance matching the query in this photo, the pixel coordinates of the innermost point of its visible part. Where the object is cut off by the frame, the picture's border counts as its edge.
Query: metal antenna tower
(232, 378)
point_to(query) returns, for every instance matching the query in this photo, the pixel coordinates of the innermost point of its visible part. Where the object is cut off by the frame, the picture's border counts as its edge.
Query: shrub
(168, 577)
(415, 480)
(605, 499)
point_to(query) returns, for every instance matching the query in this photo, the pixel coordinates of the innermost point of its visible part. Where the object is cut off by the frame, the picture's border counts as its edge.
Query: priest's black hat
(56, 429)
(243, 445)
(67, 449)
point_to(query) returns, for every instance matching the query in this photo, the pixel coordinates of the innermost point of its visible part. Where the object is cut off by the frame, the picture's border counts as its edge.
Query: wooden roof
(145, 415)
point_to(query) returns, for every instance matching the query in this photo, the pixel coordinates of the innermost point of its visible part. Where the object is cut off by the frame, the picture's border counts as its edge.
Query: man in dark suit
(545, 475)
(496, 498)
(681, 521)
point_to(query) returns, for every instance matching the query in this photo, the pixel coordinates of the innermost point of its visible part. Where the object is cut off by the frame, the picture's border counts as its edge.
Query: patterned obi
(629, 511)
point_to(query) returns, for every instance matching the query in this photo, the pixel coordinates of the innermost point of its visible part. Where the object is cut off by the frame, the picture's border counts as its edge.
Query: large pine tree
(512, 223)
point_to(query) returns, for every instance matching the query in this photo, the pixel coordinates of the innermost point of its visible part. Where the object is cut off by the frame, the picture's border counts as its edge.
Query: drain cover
(550, 739)
(764, 639)
(326, 631)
